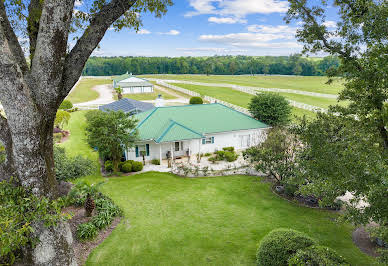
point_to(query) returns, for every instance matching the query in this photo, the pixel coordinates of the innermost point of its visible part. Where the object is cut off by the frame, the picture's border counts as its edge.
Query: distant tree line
(216, 65)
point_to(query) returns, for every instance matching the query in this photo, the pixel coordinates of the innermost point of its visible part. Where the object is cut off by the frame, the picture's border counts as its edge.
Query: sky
(210, 27)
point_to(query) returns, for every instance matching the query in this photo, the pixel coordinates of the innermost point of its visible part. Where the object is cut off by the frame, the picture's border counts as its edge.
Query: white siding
(221, 140)
(133, 90)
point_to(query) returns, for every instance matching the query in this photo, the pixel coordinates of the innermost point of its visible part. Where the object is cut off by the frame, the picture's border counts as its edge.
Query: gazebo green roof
(176, 123)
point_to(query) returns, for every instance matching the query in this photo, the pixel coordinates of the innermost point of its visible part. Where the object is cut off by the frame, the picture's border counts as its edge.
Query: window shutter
(137, 151)
(148, 149)
(203, 141)
(212, 139)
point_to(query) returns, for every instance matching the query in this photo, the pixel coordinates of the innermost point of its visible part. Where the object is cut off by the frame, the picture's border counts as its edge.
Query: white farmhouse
(191, 129)
(131, 84)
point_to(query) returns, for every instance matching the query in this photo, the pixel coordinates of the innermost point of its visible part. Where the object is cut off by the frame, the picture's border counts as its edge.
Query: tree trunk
(32, 137)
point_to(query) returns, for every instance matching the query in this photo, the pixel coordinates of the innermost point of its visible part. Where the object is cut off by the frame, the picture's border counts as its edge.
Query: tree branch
(51, 45)
(12, 40)
(100, 23)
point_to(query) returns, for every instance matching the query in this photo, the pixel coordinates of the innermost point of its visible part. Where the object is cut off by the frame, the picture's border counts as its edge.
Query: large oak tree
(32, 90)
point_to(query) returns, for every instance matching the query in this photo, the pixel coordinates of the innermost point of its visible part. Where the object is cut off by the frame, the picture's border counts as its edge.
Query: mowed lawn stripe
(233, 96)
(303, 83)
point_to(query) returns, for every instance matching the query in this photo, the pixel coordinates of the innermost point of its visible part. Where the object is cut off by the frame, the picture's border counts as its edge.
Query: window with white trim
(208, 140)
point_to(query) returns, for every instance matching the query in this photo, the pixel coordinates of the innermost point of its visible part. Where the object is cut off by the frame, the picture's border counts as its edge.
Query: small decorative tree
(62, 118)
(143, 154)
(110, 132)
(66, 105)
(119, 92)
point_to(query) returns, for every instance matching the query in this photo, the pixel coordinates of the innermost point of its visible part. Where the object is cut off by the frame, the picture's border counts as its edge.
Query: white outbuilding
(131, 84)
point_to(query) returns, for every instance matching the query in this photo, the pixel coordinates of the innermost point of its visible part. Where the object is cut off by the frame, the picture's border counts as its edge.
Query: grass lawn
(235, 97)
(200, 221)
(84, 93)
(148, 96)
(207, 221)
(313, 84)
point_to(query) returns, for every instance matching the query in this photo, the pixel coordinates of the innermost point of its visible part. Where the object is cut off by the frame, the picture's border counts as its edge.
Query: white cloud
(252, 40)
(330, 24)
(78, 3)
(237, 8)
(171, 32)
(227, 20)
(270, 29)
(143, 32)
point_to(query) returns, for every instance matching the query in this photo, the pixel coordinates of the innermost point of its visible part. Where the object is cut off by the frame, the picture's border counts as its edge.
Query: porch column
(172, 153)
(160, 153)
(199, 150)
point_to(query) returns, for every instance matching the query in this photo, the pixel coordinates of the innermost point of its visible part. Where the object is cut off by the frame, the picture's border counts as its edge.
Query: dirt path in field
(106, 96)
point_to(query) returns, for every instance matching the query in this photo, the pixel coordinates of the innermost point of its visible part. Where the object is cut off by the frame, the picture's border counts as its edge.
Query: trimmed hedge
(279, 245)
(316, 256)
(126, 167)
(108, 166)
(137, 166)
(196, 100)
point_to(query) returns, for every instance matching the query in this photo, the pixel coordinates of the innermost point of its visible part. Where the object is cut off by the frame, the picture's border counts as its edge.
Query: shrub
(270, 108)
(207, 154)
(65, 105)
(86, 231)
(68, 168)
(230, 156)
(279, 245)
(108, 166)
(137, 166)
(77, 195)
(231, 149)
(212, 159)
(127, 167)
(290, 189)
(220, 155)
(316, 255)
(196, 100)
(121, 166)
(106, 205)
(155, 161)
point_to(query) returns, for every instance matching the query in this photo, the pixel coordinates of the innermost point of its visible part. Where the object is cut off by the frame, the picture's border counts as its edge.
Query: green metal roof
(174, 123)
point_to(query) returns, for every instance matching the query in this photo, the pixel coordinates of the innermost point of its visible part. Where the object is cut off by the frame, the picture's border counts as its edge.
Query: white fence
(235, 107)
(192, 93)
(248, 90)
(254, 89)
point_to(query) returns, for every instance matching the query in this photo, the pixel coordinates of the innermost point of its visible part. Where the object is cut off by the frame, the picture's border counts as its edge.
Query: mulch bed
(83, 249)
(362, 240)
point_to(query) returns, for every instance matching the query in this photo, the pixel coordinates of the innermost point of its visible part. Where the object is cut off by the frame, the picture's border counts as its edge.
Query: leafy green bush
(87, 231)
(137, 166)
(316, 256)
(127, 167)
(231, 149)
(220, 155)
(106, 205)
(65, 105)
(290, 189)
(121, 165)
(279, 245)
(212, 159)
(18, 210)
(77, 195)
(196, 100)
(207, 154)
(69, 168)
(102, 220)
(270, 108)
(155, 161)
(108, 165)
(230, 156)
